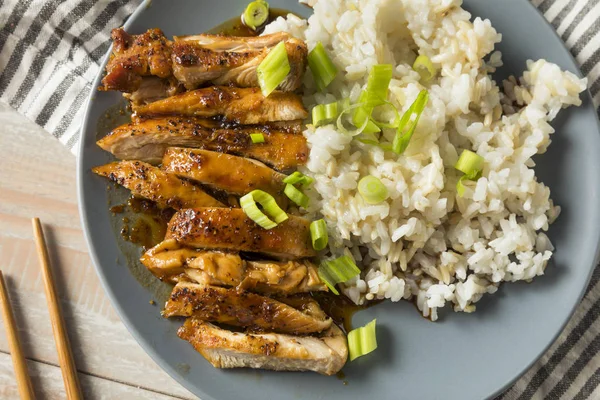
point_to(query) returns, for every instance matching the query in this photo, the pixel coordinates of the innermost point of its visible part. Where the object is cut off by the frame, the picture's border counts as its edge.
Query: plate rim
(149, 348)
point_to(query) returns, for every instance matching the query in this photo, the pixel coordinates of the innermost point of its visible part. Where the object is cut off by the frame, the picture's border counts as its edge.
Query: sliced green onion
(362, 340)
(321, 66)
(298, 178)
(273, 69)
(372, 190)
(324, 114)
(374, 95)
(408, 123)
(256, 14)
(257, 138)
(337, 271)
(382, 124)
(471, 164)
(269, 205)
(296, 195)
(378, 83)
(318, 234)
(425, 68)
(360, 129)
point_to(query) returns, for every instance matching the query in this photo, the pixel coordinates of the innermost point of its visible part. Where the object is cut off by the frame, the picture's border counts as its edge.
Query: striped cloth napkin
(50, 52)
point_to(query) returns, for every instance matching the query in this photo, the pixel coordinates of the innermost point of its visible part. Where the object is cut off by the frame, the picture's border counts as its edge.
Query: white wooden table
(37, 178)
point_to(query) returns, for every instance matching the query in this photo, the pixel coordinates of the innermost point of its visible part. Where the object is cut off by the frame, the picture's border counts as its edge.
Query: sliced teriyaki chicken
(246, 309)
(225, 60)
(240, 105)
(325, 353)
(152, 89)
(168, 260)
(150, 182)
(148, 140)
(232, 174)
(230, 229)
(136, 56)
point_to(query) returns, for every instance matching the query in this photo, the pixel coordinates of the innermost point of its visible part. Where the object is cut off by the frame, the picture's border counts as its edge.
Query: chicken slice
(241, 105)
(135, 56)
(225, 60)
(150, 182)
(148, 140)
(246, 309)
(235, 175)
(152, 89)
(231, 229)
(325, 354)
(168, 260)
(234, 43)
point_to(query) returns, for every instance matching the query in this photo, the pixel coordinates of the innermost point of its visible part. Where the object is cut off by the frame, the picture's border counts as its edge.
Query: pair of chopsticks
(65, 357)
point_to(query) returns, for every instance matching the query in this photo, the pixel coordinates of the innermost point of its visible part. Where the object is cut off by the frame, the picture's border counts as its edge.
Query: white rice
(425, 243)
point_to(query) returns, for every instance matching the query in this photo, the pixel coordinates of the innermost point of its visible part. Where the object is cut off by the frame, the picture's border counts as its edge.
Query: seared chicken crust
(232, 174)
(150, 182)
(148, 140)
(325, 353)
(240, 105)
(135, 56)
(231, 229)
(246, 309)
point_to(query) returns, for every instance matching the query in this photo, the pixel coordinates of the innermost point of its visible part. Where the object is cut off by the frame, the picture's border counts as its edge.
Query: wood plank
(37, 178)
(47, 384)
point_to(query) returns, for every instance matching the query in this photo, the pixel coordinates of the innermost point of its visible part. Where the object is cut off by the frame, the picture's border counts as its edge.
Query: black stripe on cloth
(545, 5)
(595, 87)
(563, 13)
(591, 62)
(28, 40)
(73, 140)
(13, 20)
(99, 23)
(79, 100)
(589, 387)
(585, 38)
(55, 100)
(545, 370)
(593, 280)
(584, 358)
(67, 118)
(578, 18)
(60, 91)
(51, 45)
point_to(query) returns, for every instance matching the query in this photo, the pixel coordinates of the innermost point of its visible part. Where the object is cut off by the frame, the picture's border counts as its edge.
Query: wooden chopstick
(18, 359)
(63, 348)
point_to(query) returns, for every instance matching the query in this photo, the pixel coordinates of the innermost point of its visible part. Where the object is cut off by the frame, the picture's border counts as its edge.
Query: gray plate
(463, 356)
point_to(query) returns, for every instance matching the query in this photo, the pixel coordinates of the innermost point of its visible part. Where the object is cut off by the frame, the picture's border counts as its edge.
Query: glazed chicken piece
(243, 106)
(153, 89)
(135, 56)
(148, 140)
(225, 60)
(230, 229)
(232, 174)
(325, 353)
(168, 260)
(246, 309)
(150, 182)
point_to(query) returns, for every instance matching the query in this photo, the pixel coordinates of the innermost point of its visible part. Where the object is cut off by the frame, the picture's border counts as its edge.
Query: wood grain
(47, 384)
(37, 178)
(14, 344)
